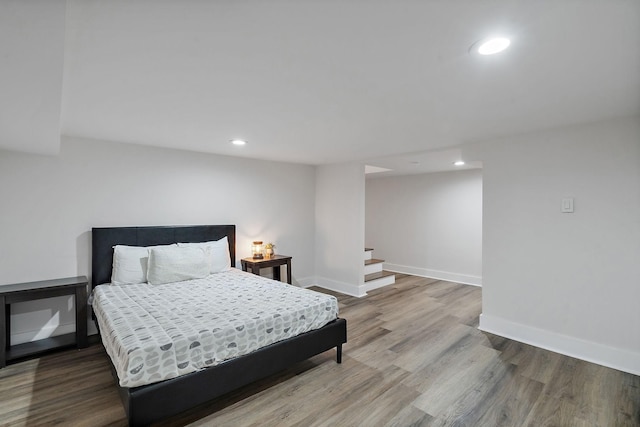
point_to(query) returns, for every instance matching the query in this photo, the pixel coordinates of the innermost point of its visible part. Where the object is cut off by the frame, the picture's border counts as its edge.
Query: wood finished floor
(414, 358)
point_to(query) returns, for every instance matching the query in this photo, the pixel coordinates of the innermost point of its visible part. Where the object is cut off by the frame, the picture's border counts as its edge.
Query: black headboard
(105, 238)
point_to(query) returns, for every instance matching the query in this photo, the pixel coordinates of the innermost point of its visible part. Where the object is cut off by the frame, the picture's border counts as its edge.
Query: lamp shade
(256, 249)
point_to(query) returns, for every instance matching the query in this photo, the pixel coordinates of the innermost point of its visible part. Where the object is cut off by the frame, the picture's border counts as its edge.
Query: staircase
(374, 276)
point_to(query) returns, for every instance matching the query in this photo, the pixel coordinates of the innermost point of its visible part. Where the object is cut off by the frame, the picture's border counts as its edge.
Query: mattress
(157, 332)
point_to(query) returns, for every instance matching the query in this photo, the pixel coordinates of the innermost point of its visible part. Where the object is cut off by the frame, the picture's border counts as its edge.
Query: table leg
(4, 332)
(289, 272)
(82, 340)
(276, 272)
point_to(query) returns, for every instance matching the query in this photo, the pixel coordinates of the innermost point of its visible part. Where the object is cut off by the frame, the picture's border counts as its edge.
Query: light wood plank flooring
(414, 358)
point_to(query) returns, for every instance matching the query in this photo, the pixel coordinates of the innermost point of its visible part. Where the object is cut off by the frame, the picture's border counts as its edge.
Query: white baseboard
(465, 279)
(44, 332)
(306, 282)
(334, 285)
(611, 357)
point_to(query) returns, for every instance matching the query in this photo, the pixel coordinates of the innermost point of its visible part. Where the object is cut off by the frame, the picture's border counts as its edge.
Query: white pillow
(219, 250)
(175, 264)
(130, 264)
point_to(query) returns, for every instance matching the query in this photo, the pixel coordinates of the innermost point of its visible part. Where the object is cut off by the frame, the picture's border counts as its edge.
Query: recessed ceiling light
(238, 142)
(492, 45)
(458, 163)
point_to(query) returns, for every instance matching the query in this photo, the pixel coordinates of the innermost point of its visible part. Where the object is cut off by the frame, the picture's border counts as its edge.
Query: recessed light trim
(238, 142)
(492, 45)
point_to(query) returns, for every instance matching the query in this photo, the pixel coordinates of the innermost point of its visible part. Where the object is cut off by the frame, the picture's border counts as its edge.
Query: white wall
(566, 282)
(49, 205)
(32, 48)
(340, 228)
(428, 224)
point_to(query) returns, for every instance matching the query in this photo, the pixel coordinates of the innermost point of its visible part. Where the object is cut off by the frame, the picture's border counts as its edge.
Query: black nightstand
(20, 292)
(275, 262)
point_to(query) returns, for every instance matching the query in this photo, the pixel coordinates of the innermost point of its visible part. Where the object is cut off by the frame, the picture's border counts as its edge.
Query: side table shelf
(20, 292)
(275, 262)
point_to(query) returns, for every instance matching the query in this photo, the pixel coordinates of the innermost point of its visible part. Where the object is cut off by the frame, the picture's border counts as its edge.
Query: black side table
(20, 292)
(275, 262)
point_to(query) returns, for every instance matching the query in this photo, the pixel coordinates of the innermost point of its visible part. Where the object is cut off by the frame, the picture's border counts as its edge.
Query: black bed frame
(153, 402)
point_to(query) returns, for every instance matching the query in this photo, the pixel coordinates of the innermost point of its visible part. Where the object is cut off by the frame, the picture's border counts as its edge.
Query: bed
(145, 404)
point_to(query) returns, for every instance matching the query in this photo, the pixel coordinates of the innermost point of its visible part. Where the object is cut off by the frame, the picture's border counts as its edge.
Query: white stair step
(378, 280)
(368, 253)
(372, 265)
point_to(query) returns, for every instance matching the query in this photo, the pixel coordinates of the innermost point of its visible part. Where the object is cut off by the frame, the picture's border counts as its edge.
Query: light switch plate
(567, 205)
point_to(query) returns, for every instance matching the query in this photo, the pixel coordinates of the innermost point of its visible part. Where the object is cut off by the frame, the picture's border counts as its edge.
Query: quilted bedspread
(156, 332)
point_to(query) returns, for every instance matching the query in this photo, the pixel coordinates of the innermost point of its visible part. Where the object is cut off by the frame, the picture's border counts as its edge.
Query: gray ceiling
(389, 83)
